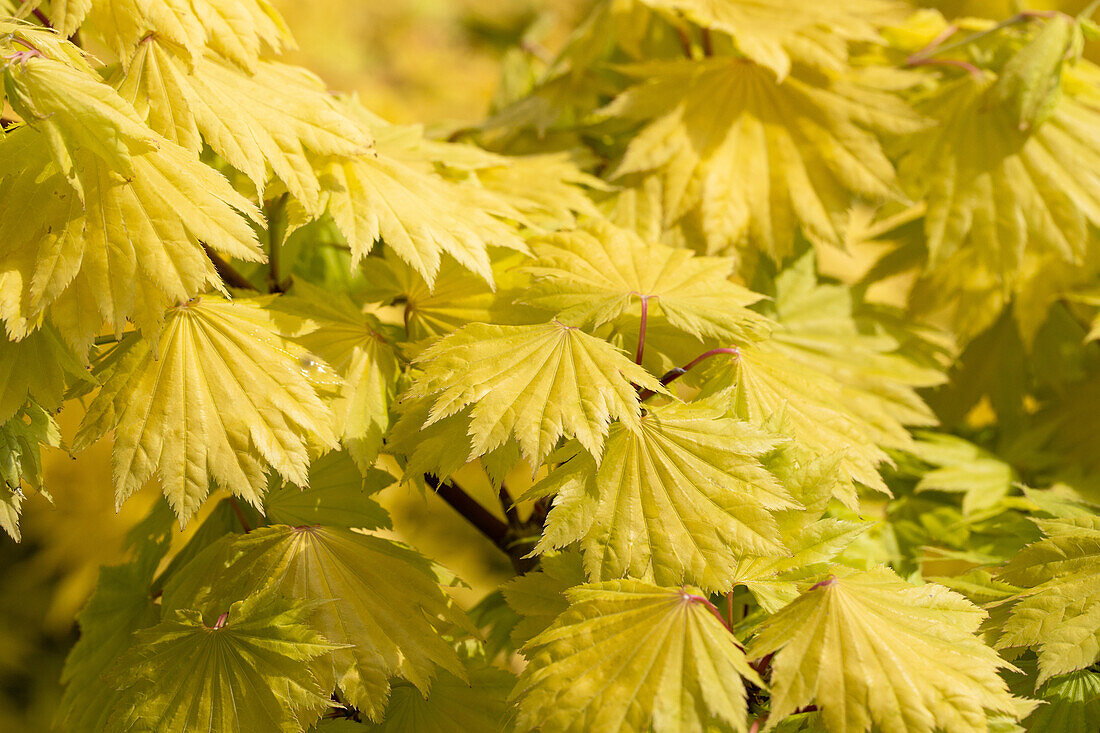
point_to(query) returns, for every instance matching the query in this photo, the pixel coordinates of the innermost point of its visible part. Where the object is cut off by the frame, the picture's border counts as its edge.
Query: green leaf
(165, 397)
(1072, 704)
(539, 383)
(680, 499)
(251, 670)
(591, 276)
(38, 367)
(628, 655)
(871, 650)
(539, 596)
(386, 605)
(121, 604)
(479, 705)
(962, 467)
(761, 383)
(819, 325)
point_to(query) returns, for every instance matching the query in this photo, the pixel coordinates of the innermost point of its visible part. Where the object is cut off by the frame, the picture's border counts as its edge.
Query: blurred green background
(432, 61)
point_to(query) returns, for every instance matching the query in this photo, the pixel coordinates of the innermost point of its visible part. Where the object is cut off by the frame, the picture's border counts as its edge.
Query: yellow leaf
(351, 342)
(539, 382)
(78, 114)
(238, 30)
(592, 275)
(767, 30)
(631, 656)
(276, 115)
(679, 500)
(134, 249)
(871, 650)
(216, 396)
(760, 158)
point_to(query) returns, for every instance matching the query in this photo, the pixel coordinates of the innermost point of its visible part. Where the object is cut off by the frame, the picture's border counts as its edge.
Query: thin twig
(641, 329)
(708, 42)
(676, 372)
(240, 514)
(694, 598)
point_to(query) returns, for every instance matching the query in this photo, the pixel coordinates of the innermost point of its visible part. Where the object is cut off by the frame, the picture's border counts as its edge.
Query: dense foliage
(758, 335)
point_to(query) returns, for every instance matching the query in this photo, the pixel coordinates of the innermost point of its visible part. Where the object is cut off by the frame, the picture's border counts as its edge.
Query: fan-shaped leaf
(539, 383)
(760, 158)
(630, 656)
(1060, 611)
(249, 671)
(592, 275)
(214, 397)
(871, 650)
(385, 601)
(766, 30)
(678, 500)
(277, 115)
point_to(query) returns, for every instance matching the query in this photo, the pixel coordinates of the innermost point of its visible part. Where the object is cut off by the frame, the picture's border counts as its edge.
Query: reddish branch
(676, 372)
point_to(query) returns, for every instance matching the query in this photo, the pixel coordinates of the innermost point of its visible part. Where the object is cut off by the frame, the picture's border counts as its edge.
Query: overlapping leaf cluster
(692, 289)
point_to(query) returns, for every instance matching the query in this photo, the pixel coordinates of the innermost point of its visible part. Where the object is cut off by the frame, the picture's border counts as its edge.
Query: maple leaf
(452, 706)
(680, 499)
(767, 31)
(68, 15)
(591, 276)
(1005, 188)
(238, 30)
(39, 367)
(1072, 704)
(277, 115)
(418, 214)
(354, 344)
(134, 248)
(760, 158)
(960, 466)
(761, 382)
(455, 298)
(871, 650)
(1059, 610)
(539, 596)
(76, 112)
(385, 600)
(120, 605)
(251, 670)
(682, 669)
(819, 325)
(164, 396)
(21, 441)
(560, 381)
